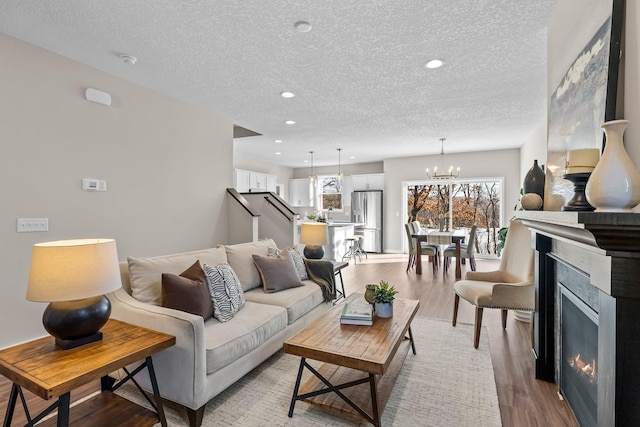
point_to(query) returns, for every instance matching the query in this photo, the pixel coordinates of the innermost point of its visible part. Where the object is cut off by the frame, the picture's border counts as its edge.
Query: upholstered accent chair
(511, 287)
(427, 250)
(466, 251)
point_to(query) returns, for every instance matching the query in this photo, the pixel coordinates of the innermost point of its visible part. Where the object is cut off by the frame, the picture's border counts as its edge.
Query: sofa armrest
(181, 369)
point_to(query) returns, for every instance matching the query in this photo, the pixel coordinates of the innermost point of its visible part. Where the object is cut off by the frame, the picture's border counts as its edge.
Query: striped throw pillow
(226, 292)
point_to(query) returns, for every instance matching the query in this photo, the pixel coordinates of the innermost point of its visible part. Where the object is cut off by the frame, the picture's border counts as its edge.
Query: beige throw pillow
(145, 274)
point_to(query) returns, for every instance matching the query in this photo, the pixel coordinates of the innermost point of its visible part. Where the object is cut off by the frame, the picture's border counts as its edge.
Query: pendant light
(339, 171)
(312, 177)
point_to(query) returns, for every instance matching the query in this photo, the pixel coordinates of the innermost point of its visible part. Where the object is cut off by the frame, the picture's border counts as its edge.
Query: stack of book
(357, 313)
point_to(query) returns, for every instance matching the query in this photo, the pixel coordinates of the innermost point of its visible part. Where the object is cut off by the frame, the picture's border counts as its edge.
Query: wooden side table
(49, 372)
(337, 270)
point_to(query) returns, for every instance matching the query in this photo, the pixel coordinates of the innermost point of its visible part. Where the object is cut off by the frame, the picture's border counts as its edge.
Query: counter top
(336, 224)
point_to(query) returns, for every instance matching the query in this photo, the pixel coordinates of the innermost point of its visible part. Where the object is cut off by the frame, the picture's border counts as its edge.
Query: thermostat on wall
(90, 184)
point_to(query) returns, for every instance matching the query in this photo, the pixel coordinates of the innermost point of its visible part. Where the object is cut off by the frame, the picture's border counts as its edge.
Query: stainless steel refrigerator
(366, 210)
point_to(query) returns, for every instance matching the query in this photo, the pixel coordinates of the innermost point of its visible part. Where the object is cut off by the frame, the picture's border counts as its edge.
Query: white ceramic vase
(614, 184)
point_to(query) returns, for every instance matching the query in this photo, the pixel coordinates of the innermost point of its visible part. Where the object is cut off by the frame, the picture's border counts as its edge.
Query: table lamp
(73, 276)
(314, 235)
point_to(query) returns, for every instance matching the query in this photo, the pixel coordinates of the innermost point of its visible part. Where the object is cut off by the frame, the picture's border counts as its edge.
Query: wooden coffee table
(353, 355)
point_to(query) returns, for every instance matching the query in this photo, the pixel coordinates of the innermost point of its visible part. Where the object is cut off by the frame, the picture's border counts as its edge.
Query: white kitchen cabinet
(347, 188)
(373, 181)
(271, 183)
(300, 193)
(245, 181)
(257, 181)
(241, 181)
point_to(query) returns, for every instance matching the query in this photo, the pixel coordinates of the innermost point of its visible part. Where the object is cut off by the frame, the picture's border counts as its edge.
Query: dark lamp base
(69, 344)
(78, 322)
(313, 252)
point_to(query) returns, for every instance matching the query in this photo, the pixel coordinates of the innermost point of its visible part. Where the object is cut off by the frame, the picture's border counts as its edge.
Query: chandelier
(438, 171)
(340, 177)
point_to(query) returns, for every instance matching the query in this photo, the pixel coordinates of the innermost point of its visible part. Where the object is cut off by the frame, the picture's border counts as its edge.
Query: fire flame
(587, 370)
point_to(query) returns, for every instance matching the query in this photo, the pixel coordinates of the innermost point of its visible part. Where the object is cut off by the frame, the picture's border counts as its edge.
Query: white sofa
(209, 355)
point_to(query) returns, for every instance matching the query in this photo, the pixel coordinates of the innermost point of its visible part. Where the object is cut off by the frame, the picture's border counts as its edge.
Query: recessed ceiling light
(434, 63)
(305, 161)
(302, 26)
(289, 122)
(277, 153)
(277, 141)
(128, 59)
(287, 94)
(352, 157)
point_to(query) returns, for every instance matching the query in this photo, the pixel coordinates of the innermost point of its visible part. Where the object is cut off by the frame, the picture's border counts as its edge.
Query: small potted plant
(383, 297)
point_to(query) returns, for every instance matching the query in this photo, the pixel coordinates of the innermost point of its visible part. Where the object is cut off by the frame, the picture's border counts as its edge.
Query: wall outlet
(28, 225)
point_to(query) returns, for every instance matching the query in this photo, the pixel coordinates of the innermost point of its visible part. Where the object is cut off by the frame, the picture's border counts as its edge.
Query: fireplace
(578, 357)
(587, 319)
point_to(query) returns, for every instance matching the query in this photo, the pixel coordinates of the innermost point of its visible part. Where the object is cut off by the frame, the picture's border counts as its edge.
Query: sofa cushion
(250, 328)
(240, 259)
(225, 291)
(145, 274)
(187, 292)
(298, 260)
(277, 272)
(297, 301)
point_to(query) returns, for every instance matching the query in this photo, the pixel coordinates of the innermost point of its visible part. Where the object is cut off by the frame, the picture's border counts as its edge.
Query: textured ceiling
(358, 75)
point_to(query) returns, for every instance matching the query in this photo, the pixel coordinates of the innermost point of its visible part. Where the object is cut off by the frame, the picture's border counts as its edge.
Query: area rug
(448, 383)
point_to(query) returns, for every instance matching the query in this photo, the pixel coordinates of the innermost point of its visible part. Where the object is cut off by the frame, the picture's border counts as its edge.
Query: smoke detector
(128, 59)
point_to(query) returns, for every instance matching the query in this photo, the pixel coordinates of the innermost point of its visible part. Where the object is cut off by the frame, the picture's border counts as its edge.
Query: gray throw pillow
(298, 260)
(277, 272)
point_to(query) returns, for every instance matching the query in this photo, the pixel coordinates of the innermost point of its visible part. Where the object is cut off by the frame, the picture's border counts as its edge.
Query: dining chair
(466, 251)
(413, 251)
(425, 245)
(511, 287)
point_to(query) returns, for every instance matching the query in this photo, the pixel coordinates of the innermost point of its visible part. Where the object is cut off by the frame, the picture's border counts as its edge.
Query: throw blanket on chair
(321, 272)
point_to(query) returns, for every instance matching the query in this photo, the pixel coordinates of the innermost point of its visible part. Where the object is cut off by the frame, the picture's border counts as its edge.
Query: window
(330, 193)
(458, 204)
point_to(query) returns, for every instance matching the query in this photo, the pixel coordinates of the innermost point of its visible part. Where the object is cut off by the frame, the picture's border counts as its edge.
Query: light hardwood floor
(524, 401)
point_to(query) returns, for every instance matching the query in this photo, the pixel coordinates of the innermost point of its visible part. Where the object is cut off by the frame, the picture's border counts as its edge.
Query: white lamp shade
(314, 233)
(67, 270)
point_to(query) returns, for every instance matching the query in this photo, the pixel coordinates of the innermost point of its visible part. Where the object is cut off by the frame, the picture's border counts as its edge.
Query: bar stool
(355, 250)
(359, 249)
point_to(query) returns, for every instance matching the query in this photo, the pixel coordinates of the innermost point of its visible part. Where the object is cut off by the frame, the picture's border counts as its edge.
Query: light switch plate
(28, 225)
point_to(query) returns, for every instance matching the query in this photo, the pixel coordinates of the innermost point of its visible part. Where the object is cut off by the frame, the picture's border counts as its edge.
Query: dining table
(436, 237)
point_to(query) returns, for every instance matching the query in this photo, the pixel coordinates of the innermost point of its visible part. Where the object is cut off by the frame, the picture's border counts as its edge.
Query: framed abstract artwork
(585, 98)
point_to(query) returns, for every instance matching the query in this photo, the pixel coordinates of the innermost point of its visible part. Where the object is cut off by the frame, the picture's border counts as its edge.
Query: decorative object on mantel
(552, 202)
(442, 174)
(580, 164)
(614, 184)
(534, 182)
(383, 297)
(531, 202)
(578, 202)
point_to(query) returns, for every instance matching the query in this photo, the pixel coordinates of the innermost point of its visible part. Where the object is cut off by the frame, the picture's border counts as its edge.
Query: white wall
(504, 163)
(534, 148)
(167, 165)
